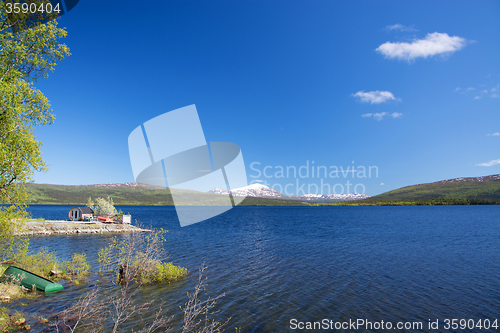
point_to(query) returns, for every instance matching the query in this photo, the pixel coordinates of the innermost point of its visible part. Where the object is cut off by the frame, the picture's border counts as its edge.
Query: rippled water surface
(314, 263)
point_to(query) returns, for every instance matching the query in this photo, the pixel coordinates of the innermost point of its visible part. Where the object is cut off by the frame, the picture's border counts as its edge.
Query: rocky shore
(71, 227)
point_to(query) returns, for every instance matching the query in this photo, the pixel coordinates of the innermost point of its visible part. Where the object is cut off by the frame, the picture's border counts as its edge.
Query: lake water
(276, 264)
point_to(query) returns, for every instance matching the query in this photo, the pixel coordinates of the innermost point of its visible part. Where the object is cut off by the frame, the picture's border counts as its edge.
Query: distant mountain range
(465, 188)
(134, 194)
(262, 191)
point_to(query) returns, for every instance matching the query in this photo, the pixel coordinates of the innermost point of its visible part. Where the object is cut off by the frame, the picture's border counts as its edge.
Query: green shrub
(40, 263)
(168, 272)
(138, 258)
(78, 265)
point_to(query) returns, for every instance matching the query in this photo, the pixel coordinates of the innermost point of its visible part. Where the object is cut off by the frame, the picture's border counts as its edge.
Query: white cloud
(375, 97)
(490, 163)
(494, 134)
(494, 91)
(433, 44)
(479, 94)
(382, 184)
(400, 27)
(380, 115)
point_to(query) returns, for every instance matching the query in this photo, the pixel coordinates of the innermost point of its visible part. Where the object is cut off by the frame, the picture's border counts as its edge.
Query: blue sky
(409, 87)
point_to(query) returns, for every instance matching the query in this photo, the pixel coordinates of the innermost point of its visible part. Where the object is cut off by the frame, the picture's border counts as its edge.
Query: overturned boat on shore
(30, 280)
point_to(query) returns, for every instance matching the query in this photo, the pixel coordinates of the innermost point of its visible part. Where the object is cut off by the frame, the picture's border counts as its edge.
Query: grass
(10, 291)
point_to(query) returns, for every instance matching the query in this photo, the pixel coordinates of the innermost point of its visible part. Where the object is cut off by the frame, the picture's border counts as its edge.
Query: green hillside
(458, 191)
(132, 194)
(473, 188)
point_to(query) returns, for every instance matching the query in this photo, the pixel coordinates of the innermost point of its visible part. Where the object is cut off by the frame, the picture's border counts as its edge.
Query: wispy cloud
(381, 115)
(479, 94)
(494, 134)
(494, 91)
(400, 27)
(490, 163)
(432, 45)
(375, 97)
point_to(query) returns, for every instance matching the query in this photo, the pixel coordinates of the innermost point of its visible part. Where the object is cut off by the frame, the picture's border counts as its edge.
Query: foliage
(25, 56)
(78, 266)
(11, 323)
(102, 206)
(40, 263)
(168, 272)
(92, 314)
(11, 289)
(11, 220)
(43, 262)
(138, 258)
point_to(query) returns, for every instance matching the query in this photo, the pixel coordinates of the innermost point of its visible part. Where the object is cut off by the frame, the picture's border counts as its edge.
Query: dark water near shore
(338, 263)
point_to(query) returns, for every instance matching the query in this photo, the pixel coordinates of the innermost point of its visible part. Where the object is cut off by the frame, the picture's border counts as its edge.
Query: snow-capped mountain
(219, 190)
(350, 196)
(262, 191)
(254, 190)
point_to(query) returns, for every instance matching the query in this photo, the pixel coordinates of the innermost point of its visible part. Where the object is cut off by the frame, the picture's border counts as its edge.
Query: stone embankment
(73, 227)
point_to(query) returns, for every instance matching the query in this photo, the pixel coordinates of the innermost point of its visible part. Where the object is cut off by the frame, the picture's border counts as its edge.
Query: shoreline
(60, 227)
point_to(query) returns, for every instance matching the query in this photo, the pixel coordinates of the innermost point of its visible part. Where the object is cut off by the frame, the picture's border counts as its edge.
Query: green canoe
(29, 280)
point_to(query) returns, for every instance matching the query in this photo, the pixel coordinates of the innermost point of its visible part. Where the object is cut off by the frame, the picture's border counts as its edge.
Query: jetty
(61, 227)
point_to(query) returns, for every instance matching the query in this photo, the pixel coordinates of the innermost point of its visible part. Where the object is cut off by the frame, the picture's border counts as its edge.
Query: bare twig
(197, 312)
(86, 313)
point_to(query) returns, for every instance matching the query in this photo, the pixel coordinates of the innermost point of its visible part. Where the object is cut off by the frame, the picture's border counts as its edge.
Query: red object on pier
(104, 219)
